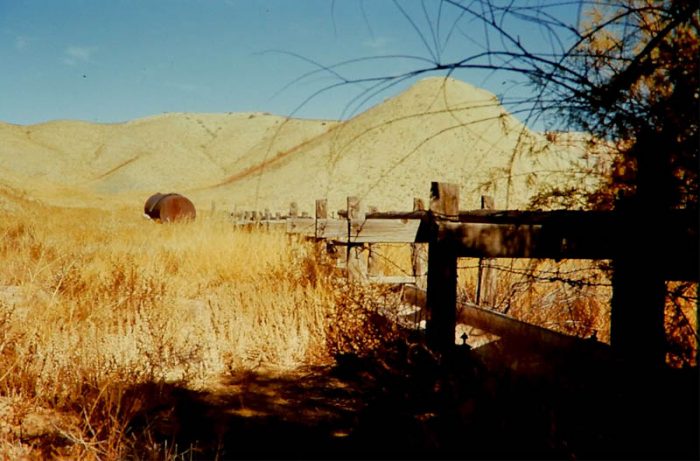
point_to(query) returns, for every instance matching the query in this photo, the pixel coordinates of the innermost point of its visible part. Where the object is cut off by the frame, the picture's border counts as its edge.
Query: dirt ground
(404, 403)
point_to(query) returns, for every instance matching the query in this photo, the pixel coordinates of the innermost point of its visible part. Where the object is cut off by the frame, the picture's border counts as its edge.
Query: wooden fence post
(442, 271)
(321, 217)
(419, 253)
(637, 327)
(356, 265)
(486, 280)
(372, 254)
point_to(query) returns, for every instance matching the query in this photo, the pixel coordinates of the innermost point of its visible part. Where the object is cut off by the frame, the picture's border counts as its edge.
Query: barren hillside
(437, 130)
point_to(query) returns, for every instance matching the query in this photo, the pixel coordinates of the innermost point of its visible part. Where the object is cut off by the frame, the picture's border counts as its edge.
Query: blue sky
(116, 60)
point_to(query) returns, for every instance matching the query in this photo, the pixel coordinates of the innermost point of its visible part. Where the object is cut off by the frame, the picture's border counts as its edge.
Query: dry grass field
(92, 300)
(121, 338)
(109, 318)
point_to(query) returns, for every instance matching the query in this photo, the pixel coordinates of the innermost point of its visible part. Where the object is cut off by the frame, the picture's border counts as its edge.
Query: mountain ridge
(439, 129)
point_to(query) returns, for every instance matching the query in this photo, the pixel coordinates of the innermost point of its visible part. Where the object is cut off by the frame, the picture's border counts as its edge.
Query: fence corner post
(442, 270)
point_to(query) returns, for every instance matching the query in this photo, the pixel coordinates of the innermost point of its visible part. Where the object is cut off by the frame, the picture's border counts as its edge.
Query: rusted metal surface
(169, 208)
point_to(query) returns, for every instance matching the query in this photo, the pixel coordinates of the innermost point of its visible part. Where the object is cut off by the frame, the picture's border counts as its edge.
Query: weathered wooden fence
(446, 233)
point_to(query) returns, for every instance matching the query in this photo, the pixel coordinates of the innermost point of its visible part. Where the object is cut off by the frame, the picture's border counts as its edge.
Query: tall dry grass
(93, 302)
(568, 296)
(572, 297)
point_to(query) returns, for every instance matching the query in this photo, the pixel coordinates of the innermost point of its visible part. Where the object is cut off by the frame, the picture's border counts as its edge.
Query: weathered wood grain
(441, 299)
(304, 226)
(357, 259)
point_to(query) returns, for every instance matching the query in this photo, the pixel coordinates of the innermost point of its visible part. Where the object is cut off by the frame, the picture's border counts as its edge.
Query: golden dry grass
(93, 303)
(571, 297)
(91, 300)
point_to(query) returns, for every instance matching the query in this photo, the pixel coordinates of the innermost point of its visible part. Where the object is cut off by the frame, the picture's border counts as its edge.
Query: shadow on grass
(404, 403)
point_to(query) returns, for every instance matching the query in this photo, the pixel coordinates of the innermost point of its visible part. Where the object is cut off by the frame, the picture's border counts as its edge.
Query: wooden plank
(293, 210)
(523, 333)
(305, 226)
(441, 301)
(383, 231)
(524, 241)
(372, 262)
(321, 216)
(419, 252)
(493, 240)
(588, 219)
(321, 208)
(419, 214)
(332, 229)
(637, 330)
(509, 328)
(680, 243)
(486, 279)
(572, 236)
(356, 260)
(275, 224)
(355, 208)
(444, 200)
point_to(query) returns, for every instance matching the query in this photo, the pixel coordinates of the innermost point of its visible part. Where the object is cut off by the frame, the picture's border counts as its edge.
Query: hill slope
(438, 130)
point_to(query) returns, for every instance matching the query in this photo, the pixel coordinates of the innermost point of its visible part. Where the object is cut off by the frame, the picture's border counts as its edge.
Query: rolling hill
(437, 130)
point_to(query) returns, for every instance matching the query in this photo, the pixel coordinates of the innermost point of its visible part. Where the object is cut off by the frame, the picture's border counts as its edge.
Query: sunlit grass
(93, 303)
(89, 300)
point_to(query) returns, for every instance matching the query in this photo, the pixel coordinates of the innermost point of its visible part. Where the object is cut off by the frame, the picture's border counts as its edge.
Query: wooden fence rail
(637, 321)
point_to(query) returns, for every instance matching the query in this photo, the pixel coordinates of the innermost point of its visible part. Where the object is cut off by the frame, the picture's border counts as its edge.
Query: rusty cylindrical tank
(169, 207)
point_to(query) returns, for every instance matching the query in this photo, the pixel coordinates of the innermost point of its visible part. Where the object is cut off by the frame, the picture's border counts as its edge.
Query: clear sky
(116, 60)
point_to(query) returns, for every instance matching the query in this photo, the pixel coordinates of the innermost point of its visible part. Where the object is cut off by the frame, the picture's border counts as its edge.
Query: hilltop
(440, 129)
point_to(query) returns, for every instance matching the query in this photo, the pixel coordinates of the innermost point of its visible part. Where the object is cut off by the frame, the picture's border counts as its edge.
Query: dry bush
(357, 323)
(682, 324)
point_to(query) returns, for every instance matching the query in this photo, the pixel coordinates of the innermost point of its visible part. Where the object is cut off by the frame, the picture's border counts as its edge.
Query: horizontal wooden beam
(509, 328)
(571, 235)
(305, 226)
(559, 234)
(532, 234)
(586, 218)
(493, 240)
(331, 229)
(505, 326)
(383, 231)
(419, 214)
